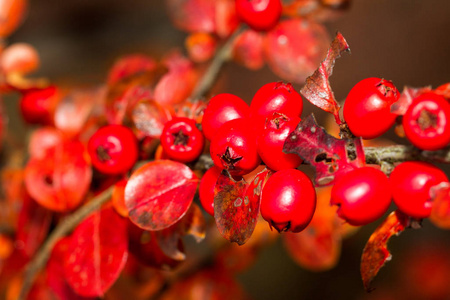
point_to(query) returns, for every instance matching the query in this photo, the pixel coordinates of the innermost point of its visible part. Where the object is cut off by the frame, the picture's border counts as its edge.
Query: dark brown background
(406, 41)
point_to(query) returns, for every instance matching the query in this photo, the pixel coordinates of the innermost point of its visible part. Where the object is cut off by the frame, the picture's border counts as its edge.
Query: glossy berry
(113, 149)
(276, 97)
(221, 109)
(260, 15)
(367, 107)
(271, 141)
(411, 182)
(427, 122)
(288, 200)
(363, 195)
(38, 105)
(181, 140)
(234, 147)
(206, 189)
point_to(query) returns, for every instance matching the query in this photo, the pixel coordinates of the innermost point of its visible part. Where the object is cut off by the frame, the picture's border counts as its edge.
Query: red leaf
(192, 15)
(145, 248)
(177, 84)
(375, 252)
(407, 96)
(236, 206)
(56, 278)
(130, 65)
(443, 90)
(169, 239)
(318, 247)
(32, 227)
(98, 253)
(149, 117)
(440, 211)
(295, 47)
(317, 88)
(75, 108)
(159, 194)
(60, 179)
(327, 154)
(248, 49)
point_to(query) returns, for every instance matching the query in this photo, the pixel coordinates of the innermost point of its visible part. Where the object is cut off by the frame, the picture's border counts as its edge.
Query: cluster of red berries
(243, 136)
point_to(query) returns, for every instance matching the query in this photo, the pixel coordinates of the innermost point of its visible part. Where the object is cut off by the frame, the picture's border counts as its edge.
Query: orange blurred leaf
(440, 211)
(375, 252)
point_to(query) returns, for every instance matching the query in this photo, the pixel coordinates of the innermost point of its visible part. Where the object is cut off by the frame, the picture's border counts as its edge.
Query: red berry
(181, 140)
(427, 122)
(411, 182)
(38, 105)
(113, 149)
(363, 195)
(275, 97)
(234, 147)
(288, 200)
(260, 15)
(206, 189)
(221, 109)
(271, 141)
(367, 108)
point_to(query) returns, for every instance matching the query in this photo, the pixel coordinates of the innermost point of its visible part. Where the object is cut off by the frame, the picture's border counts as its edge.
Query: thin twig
(222, 56)
(67, 225)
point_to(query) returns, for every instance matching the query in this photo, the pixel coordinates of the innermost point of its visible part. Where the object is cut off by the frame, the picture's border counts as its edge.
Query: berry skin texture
(271, 141)
(363, 195)
(411, 182)
(367, 107)
(427, 122)
(113, 149)
(260, 15)
(288, 200)
(234, 147)
(221, 109)
(206, 189)
(181, 140)
(275, 97)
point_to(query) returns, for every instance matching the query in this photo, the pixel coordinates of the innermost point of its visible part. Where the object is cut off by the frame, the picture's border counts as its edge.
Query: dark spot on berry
(229, 159)
(180, 138)
(103, 153)
(427, 119)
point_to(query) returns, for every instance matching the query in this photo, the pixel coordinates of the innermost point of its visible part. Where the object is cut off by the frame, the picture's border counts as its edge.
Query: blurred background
(406, 41)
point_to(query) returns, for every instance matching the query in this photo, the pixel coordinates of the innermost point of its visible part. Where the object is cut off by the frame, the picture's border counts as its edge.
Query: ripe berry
(411, 182)
(271, 141)
(38, 105)
(206, 189)
(260, 15)
(367, 107)
(363, 195)
(181, 140)
(288, 200)
(221, 109)
(113, 149)
(426, 122)
(234, 147)
(275, 97)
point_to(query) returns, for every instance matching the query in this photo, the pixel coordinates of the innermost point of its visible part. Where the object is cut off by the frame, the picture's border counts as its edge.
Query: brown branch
(222, 56)
(67, 225)
(400, 153)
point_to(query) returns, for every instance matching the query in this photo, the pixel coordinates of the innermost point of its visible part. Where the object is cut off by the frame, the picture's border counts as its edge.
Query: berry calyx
(234, 147)
(288, 200)
(221, 109)
(411, 183)
(426, 122)
(260, 15)
(363, 195)
(271, 141)
(113, 149)
(206, 189)
(181, 140)
(367, 108)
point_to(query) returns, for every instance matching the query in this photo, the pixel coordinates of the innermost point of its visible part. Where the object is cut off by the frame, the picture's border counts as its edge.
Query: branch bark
(66, 226)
